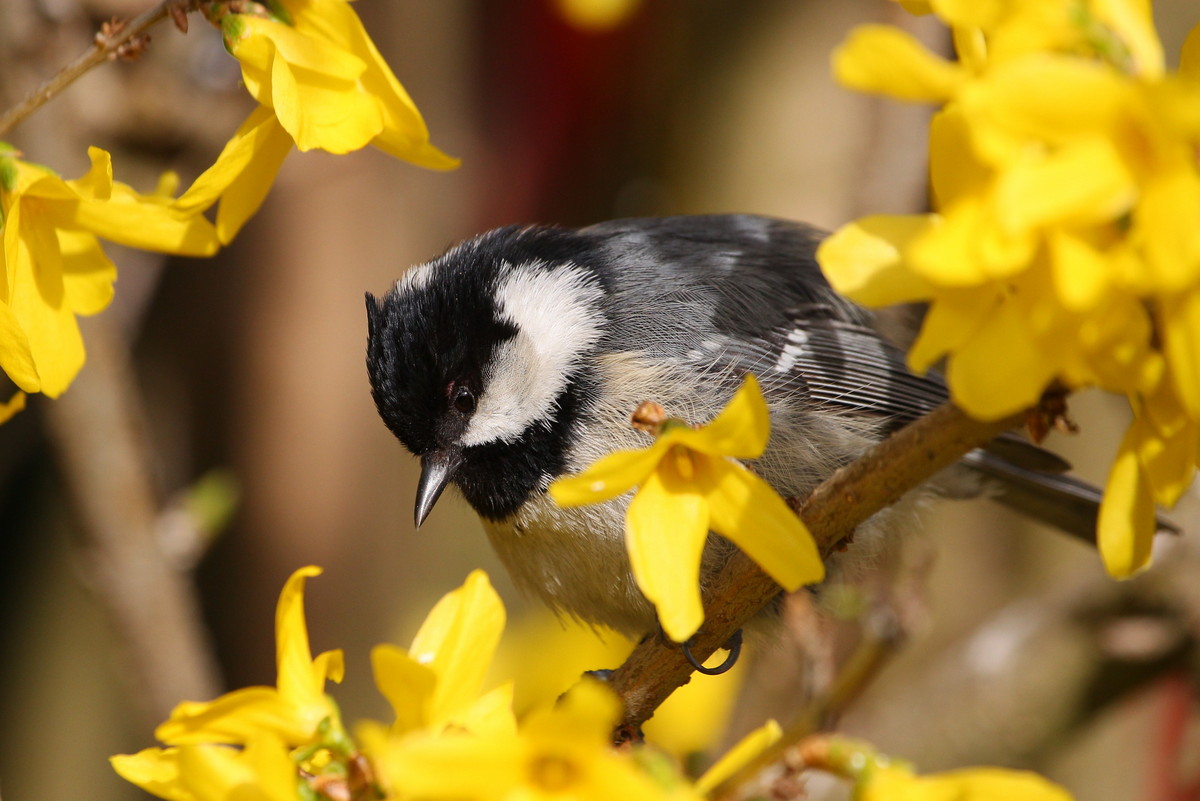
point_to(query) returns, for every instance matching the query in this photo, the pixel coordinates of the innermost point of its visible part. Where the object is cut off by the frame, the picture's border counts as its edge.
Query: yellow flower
(434, 687)
(878, 777)
(322, 84)
(437, 682)
(690, 483)
(12, 406)
(261, 771)
(295, 710)
(1065, 243)
(241, 176)
(744, 752)
(55, 268)
(313, 64)
(894, 783)
(560, 752)
(690, 721)
(281, 734)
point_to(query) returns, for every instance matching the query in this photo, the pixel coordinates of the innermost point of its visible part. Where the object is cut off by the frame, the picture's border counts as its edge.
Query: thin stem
(97, 429)
(105, 46)
(883, 637)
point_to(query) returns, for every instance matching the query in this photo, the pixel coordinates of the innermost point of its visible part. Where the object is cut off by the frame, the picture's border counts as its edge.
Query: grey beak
(437, 470)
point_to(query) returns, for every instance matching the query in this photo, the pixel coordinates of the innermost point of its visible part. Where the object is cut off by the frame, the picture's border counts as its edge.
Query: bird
(517, 356)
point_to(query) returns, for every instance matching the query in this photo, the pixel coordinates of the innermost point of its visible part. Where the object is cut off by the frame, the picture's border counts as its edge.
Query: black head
(476, 362)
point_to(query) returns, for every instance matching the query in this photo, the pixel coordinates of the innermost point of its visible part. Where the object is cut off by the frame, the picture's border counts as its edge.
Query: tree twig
(882, 639)
(847, 498)
(107, 44)
(96, 428)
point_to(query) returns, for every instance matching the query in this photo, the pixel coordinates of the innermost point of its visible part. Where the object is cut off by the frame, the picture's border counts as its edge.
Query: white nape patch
(415, 278)
(792, 351)
(557, 316)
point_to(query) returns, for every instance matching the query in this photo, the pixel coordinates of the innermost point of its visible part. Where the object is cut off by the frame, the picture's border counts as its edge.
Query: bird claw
(734, 646)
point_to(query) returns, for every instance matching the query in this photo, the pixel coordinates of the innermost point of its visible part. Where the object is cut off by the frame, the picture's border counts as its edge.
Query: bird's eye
(464, 400)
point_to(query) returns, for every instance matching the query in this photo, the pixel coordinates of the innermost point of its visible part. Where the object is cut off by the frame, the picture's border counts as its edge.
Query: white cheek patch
(557, 316)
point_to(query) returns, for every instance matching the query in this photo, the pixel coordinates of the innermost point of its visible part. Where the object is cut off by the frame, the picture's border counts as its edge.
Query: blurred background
(243, 375)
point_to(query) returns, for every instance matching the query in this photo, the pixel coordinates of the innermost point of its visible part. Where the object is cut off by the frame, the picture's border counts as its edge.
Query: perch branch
(876, 480)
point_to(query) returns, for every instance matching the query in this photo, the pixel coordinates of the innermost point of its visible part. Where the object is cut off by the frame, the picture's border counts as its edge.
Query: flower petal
(319, 112)
(458, 640)
(307, 52)
(1002, 369)
(1180, 323)
(88, 273)
(887, 60)
(1080, 184)
(406, 684)
(952, 319)
(968, 784)
(262, 771)
(609, 477)
(242, 174)
(1080, 272)
(747, 511)
(37, 301)
(741, 430)
(433, 767)
(235, 718)
(300, 678)
(142, 224)
(16, 357)
(155, 770)
(1126, 526)
(404, 134)
(1189, 56)
(864, 260)
(97, 182)
(14, 405)
(665, 530)
(738, 757)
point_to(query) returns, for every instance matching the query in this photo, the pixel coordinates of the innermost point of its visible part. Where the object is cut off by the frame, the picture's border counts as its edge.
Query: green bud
(8, 173)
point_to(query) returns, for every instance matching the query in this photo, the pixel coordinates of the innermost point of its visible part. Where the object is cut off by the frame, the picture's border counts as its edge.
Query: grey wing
(759, 303)
(756, 301)
(848, 368)
(839, 366)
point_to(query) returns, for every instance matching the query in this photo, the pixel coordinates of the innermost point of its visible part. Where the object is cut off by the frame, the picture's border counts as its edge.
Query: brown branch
(96, 428)
(851, 495)
(109, 43)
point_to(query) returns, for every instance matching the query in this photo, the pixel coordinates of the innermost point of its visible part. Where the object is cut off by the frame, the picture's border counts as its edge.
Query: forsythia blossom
(877, 777)
(281, 733)
(321, 84)
(971, 784)
(55, 269)
(689, 722)
(1065, 243)
(450, 741)
(287, 743)
(563, 751)
(690, 482)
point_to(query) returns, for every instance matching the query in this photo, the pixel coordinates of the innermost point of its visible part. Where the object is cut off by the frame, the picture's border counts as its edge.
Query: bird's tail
(1065, 502)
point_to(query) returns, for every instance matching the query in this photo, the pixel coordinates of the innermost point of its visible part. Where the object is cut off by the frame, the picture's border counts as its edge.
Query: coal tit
(517, 357)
